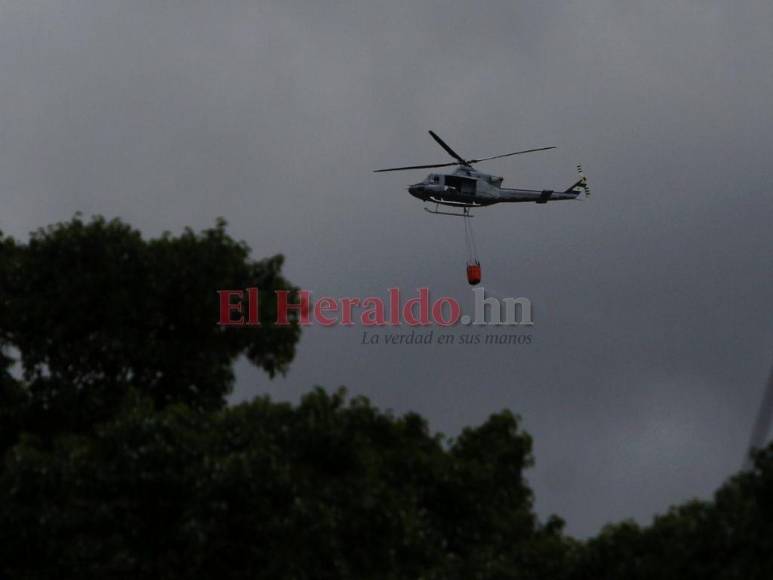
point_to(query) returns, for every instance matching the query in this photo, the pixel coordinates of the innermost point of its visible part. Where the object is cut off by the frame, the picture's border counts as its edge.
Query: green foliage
(14, 402)
(94, 309)
(325, 489)
(728, 538)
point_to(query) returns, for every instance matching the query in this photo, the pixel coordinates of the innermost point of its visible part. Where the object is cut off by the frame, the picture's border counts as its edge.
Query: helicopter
(468, 188)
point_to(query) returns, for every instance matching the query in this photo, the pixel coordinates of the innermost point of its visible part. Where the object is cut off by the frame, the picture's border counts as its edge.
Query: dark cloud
(653, 327)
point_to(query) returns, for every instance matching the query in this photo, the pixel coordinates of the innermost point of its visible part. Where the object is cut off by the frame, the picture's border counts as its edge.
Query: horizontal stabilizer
(579, 186)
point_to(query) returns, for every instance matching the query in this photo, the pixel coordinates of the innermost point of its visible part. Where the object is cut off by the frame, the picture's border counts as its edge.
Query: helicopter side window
(435, 179)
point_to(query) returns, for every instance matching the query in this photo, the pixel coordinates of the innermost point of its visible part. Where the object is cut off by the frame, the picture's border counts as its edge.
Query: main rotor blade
(415, 167)
(509, 154)
(448, 149)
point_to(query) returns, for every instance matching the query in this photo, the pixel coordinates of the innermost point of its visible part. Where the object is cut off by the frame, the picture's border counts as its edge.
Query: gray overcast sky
(654, 332)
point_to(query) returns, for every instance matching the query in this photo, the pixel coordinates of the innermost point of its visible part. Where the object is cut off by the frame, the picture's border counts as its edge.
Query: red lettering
(455, 311)
(322, 306)
(346, 306)
(283, 307)
(253, 313)
(227, 307)
(423, 303)
(373, 316)
(394, 306)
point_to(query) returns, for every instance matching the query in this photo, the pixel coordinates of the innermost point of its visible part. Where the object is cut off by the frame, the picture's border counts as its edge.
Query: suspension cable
(469, 238)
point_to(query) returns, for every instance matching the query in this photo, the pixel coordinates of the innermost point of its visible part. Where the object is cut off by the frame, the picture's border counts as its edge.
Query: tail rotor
(583, 183)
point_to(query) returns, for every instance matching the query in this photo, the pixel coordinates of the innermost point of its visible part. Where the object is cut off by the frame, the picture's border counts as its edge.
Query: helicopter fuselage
(467, 187)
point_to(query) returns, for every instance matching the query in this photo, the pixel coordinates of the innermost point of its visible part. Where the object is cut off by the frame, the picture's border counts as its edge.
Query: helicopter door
(464, 185)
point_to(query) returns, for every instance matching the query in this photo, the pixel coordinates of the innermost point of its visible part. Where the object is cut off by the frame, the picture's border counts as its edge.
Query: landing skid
(436, 211)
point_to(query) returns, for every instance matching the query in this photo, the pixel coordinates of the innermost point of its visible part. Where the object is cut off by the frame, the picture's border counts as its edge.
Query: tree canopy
(324, 489)
(728, 537)
(94, 309)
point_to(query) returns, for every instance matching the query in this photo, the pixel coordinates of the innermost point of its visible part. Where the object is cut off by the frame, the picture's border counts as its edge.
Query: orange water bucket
(473, 273)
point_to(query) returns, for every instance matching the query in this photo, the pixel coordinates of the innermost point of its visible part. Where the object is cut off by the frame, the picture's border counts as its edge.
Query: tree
(727, 538)
(94, 309)
(325, 489)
